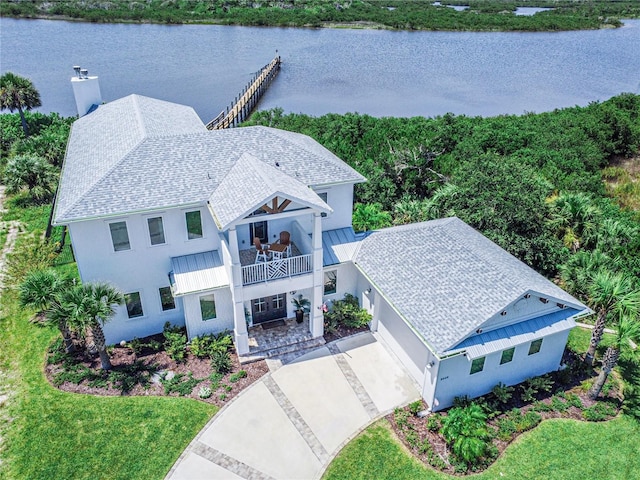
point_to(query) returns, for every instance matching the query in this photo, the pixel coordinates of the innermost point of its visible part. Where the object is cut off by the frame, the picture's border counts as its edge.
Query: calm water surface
(382, 73)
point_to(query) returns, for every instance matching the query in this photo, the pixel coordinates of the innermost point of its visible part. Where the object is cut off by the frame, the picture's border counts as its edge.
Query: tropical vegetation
(532, 183)
(18, 93)
(481, 15)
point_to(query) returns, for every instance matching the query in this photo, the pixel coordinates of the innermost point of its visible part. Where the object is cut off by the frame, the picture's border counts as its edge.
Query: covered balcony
(278, 259)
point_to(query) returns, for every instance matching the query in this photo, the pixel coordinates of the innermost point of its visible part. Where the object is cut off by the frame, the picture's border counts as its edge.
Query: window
(208, 307)
(260, 305)
(477, 365)
(119, 236)
(166, 299)
(134, 304)
(278, 301)
(330, 282)
(507, 355)
(194, 225)
(535, 346)
(324, 196)
(156, 232)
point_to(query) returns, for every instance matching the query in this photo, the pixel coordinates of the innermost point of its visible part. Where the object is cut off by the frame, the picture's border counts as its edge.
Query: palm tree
(575, 219)
(628, 331)
(610, 295)
(578, 271)
(18, 93)
(39, 291)
(87, 308)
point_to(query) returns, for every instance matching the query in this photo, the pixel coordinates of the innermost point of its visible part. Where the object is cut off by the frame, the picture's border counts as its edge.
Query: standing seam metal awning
(517, 334)
(197, 272)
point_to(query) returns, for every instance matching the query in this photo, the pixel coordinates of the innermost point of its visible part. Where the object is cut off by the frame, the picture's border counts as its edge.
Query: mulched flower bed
(342, 332)
(123, 360)
(567, 399)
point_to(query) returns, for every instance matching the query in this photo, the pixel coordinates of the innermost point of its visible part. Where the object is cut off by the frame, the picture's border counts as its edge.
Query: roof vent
(503, 313)
(544, 300)
(561, 305)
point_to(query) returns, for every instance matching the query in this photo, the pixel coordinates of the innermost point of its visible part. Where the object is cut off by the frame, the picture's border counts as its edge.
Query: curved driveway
(292, 422)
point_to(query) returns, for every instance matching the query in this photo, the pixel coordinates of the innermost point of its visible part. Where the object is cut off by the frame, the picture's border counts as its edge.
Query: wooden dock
(244, 103)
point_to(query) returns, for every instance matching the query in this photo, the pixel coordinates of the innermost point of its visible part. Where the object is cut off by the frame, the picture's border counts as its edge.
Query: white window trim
(186, 229)
(320, 193)
(335, 270)
(108, 227)
(126, 310)
(200, 297)
(512, 356)
(164, 230)
(484, 364)
(175, 303)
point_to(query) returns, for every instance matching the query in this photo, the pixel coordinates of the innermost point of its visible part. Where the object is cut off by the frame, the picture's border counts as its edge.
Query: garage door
(404, 343)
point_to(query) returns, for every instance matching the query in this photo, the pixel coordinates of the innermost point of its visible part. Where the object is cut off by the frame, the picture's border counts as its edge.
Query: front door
(258, 229)
(269, 308)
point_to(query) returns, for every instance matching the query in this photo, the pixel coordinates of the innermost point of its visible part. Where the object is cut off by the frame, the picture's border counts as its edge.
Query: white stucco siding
(346, 281)
(340, 199)
(143, 268)
(121, 327)
(193, 315)
(454, 378)
(411, 351)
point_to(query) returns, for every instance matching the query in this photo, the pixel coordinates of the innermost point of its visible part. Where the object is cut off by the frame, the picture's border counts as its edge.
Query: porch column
(239, 320)
(316, 317)
(373, 326)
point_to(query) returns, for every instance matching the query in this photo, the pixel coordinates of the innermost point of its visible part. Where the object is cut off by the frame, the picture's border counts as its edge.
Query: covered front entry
(269, 308)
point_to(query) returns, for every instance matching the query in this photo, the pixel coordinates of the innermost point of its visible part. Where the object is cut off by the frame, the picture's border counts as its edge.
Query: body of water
(381, 73)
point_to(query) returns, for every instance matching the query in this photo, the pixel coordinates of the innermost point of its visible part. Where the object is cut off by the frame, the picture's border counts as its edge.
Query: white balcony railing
(275, 269)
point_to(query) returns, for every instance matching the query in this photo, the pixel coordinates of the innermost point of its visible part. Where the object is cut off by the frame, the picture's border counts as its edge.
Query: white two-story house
(168, 211)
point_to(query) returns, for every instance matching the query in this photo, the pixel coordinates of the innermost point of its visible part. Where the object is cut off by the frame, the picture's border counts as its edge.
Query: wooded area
(531, 183)
(482, 15)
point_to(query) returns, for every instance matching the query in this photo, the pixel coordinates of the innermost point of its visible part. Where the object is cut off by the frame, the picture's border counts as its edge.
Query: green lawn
(556, 449)
(57, 435)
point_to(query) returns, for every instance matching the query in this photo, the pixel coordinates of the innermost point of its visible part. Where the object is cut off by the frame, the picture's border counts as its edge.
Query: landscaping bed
(144, 367)
(504, 414)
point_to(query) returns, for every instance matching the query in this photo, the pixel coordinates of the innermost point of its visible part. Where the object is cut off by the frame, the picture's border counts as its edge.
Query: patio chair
(262, 254)
(285, 239)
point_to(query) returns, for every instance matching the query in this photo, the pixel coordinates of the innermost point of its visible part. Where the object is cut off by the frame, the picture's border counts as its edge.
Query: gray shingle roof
(446, 279)
(259, 181)
(137, 154)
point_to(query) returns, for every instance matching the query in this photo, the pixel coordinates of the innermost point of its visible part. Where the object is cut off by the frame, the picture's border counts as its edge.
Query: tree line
(481, 15)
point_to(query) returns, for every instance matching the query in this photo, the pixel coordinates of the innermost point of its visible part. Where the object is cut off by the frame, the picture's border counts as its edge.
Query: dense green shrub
(434, 422)
(221, 362)
(599, 412)
(179, 384)
(415, 407)
(206, 345)
(238, 376)
(175, 343)
(465, 430)
(347, 312)
(502, 393)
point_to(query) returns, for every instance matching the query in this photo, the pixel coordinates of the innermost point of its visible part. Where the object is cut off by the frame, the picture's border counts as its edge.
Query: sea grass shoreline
(401, 15)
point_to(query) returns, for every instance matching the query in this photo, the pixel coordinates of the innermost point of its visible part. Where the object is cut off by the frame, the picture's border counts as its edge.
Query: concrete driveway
(292, 422)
